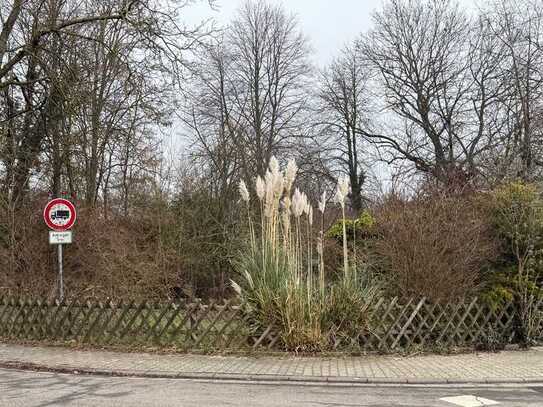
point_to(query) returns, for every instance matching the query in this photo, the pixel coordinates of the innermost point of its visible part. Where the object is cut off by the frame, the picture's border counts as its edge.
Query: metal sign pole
(60, 274)
(59, 215)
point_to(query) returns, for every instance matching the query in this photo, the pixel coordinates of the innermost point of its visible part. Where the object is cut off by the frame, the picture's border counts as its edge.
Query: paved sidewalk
(504, 367)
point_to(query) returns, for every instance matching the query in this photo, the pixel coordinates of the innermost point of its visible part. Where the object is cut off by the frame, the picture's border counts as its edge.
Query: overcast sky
(329, 24)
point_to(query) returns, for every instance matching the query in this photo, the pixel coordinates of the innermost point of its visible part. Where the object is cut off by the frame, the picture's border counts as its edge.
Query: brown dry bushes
(112, 256)
(435, 244)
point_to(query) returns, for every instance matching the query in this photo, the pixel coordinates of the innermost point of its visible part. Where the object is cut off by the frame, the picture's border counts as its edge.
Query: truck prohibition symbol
(60, 214)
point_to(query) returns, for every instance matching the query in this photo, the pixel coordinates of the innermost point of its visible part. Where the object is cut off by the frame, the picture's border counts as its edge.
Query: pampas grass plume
(243, 191)
(322, 202)
(298, 204)
(260, 188)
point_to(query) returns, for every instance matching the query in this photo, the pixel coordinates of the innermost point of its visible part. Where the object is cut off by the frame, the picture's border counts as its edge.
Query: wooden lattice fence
(191, 326)
(423, 324)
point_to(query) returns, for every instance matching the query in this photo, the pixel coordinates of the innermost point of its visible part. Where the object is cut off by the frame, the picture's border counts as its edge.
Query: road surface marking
(469, 401)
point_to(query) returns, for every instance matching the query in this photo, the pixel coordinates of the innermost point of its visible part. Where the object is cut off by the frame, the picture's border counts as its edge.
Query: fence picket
(408, 323)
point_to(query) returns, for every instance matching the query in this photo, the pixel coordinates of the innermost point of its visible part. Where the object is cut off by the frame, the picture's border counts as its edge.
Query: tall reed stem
(345, 251)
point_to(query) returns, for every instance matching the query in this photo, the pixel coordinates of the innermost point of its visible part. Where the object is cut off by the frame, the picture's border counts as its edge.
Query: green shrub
(348, 305)
(517, 210)
(490, 340)
(518, 219)
(499, 290)
(360, 228)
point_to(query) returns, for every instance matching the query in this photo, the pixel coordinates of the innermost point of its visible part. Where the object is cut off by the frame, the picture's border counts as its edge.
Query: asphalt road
(31, 389)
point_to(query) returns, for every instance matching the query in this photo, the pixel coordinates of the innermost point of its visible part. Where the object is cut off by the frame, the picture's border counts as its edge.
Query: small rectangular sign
(60, 237)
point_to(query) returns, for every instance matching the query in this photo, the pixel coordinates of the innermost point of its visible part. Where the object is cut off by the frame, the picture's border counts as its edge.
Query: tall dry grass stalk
(342, 191)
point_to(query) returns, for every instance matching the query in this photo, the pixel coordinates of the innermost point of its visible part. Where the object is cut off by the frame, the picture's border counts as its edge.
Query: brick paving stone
(516, 366)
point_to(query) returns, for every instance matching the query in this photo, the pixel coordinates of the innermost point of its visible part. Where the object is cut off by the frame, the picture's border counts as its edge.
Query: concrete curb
(266, 378)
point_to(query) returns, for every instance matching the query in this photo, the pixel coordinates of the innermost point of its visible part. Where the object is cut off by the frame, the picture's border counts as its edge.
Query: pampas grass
(276, 271)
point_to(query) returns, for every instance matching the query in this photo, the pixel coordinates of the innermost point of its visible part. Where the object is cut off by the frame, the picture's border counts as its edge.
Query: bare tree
(484, 122)
(518, 26)
(251, 94)
(417, 49)
(343, 117)
(39, 21)
(215, 124)
(270, 69)
(72, 72)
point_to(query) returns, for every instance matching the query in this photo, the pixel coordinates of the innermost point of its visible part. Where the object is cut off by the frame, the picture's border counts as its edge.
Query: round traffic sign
(59, 214)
